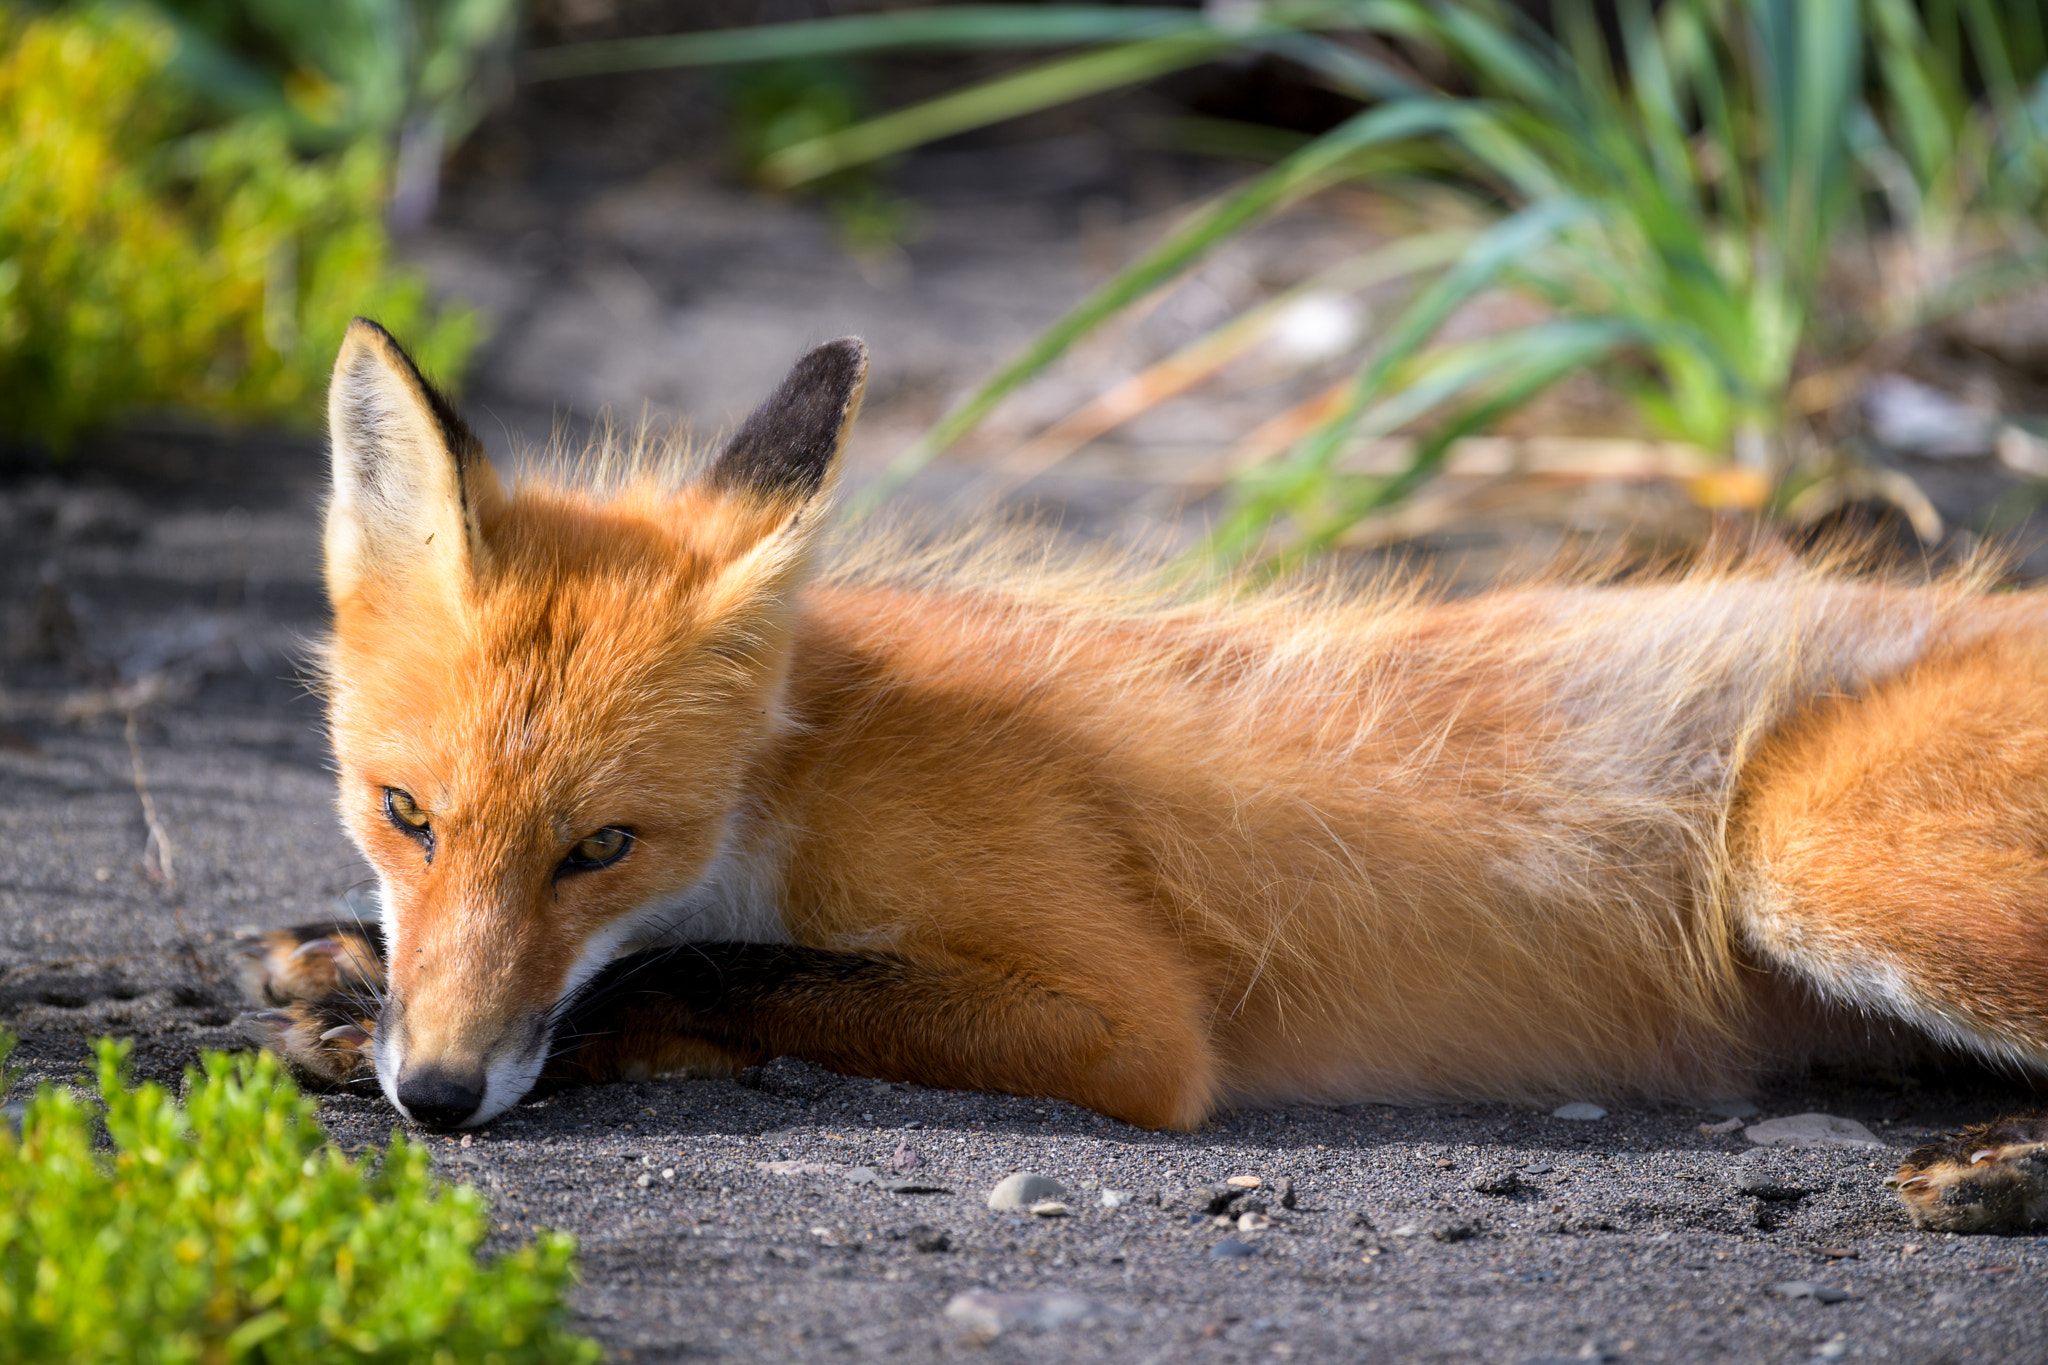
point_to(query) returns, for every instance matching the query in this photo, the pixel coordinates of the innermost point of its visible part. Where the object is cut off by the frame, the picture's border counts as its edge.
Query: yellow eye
(404, 811)
(597, 850)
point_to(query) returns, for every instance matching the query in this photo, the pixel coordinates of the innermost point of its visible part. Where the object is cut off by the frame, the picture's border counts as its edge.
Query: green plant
(412, 76)
(223, 1229)
(147, 260)
(1676, 203)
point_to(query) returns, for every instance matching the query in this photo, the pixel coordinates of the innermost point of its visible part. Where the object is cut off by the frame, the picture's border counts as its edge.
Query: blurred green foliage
(224, 1229)
(1679, 188)
(151, 257)
(775, 106)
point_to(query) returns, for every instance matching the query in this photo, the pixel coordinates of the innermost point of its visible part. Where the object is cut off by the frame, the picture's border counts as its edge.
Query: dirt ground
(159, 590)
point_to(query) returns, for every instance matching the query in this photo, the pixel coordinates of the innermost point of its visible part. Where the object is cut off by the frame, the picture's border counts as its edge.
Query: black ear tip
(844, 361)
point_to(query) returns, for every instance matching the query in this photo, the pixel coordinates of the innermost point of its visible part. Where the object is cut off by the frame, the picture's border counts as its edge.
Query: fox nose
(440, 1099)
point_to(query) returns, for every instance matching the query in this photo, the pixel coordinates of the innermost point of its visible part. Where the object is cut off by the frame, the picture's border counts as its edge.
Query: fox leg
(939, 1021)
(1892, 856)
(321, 986)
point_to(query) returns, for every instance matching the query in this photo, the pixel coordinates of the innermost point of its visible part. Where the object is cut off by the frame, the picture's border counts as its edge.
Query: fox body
(650, 782)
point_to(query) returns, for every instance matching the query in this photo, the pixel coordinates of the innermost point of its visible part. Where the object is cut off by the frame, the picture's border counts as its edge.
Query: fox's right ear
(787, 449)
(411, 482)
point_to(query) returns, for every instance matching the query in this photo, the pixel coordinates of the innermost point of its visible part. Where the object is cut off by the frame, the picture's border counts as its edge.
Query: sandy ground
(1623, 1238)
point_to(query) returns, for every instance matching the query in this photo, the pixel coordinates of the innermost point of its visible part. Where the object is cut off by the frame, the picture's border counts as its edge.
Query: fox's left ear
(786, 451)
(412, 486)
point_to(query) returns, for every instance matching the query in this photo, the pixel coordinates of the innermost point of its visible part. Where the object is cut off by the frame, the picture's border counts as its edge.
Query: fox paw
(326, 1042)
(323, 983)
(1991, 1178)
(309, 962)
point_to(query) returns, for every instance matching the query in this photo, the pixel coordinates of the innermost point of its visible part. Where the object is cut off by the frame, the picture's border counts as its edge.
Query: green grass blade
(1056, 82)
(1306, 171)
(1496, 251)
(1521, 366)
(963, 26)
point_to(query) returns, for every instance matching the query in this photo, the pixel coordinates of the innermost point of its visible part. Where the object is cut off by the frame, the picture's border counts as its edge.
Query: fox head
(543, 705)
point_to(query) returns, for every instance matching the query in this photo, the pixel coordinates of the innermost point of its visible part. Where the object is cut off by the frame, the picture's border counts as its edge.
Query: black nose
(437, 1098)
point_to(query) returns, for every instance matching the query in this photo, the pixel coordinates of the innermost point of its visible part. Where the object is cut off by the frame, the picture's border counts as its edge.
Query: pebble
(1834, 1348)
(1049, 1208)
(1230, 1249)
(1578, 1109)
(1811, 1130)
(799, 1167)
(992, 1313)
(893, 1184)
(1253, 1222)
(643, 1180)
(906, 1158)
(1732, 1109)
(1243, 1182)
(1116, 1199)
(1809, 1289)
(1724, 1126)
(927, 1238)
(1022, 1190)
(1497, 1182)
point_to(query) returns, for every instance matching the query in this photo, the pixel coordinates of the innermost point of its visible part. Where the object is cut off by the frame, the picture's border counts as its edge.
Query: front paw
(326, 1043)
(1991, 1178)
(309, 962)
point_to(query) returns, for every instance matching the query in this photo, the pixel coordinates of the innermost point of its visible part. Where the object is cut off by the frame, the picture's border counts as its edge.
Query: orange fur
(1156, 852)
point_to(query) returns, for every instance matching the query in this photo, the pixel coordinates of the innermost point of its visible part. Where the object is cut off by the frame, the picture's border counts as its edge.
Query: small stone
(1579, 1110)
(1809, 1289)
(1115, 1199)
(1834, 1348)
(1444, 1163)
(1243, 1182)
(1022, 1190)
(1536, 1168)
(861, 1175)
(1253, 1222)
(1498, 1182)
(799, 1167)
(991, 1313)
(1287, 1194)
(1764, 1173)
(930, 1239)
(1811, 1130)
(1724, 1126)
(668, 1173)
(1230, 1249)
(1454, 1230)
(1732, 1109)
(1049, 1208)
(643, 1180)
(1217, 1201)
(906, 1158)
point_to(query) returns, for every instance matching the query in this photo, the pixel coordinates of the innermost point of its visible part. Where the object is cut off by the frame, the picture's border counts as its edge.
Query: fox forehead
(594, 645)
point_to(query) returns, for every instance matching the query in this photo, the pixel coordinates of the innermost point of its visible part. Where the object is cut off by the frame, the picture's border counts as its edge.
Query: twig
(165, 871)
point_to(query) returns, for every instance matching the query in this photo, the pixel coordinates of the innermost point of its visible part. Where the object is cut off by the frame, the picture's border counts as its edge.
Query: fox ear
(786, 450)
(410, 480)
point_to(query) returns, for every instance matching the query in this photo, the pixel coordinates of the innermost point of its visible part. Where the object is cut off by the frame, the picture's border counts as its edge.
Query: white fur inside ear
(397, 519)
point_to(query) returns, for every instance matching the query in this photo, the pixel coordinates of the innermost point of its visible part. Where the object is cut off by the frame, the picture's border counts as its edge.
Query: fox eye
(404, 812)
(601, 849)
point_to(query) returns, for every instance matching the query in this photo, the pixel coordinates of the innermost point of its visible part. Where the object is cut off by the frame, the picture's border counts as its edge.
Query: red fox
(652, 782)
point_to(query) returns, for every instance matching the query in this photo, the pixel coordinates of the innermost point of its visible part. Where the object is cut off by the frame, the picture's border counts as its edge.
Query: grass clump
(152, 257)
(222, 1228)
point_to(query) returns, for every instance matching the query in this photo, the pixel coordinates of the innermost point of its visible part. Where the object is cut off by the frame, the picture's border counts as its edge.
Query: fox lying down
(649, 785)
